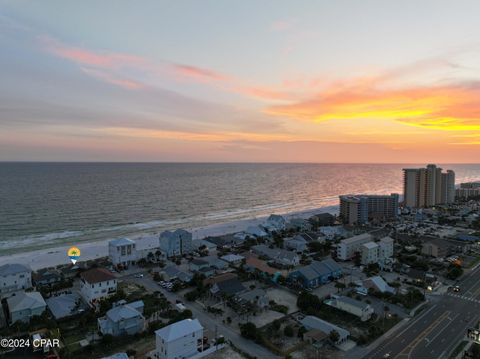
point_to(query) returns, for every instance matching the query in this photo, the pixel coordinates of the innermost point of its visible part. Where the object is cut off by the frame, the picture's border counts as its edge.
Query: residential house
(202, 243)
(97, 284)
(313, 323)
(198, 264)
(180, 340)
(277, 255)
(122, 252)
(227, 288)
(369, 252)
(359, 309)
(316, 273)
(47, 277)
(66, 305)
(25, 305)
(256, 297)
(219, 278)
(14, 277)
(216, 262)
(315, 337)
(378, 284)
(123, 319)
(297, 244)
(275, 223)
(176, 243)
(253, 263)
(347, 248)
(322, 219)
(173, 272)
(299, 224)
(233, 259)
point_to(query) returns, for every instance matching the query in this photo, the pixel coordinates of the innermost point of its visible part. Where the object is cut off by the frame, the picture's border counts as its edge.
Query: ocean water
(46, 204)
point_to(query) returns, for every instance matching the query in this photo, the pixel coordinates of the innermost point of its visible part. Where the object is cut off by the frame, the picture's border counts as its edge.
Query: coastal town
(387, 276)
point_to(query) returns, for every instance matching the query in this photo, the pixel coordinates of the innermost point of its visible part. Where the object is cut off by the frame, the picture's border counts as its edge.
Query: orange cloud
(453, 108)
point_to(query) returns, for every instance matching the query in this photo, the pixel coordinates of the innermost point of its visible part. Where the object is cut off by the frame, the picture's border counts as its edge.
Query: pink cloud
(114, 80)
(198, 73)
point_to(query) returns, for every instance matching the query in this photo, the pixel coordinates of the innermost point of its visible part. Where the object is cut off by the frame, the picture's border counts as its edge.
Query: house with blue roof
(316, 273)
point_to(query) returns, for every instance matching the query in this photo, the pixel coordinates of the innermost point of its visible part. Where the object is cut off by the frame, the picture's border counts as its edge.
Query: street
(437, 330)
(209, 321)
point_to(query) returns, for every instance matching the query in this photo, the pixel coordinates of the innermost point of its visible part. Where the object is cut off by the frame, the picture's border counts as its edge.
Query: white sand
(44, 258)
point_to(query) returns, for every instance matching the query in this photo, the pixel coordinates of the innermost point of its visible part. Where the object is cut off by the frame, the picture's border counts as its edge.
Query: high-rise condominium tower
(426, 187)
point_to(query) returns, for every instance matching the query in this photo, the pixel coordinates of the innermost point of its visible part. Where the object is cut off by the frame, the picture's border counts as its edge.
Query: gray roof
(351, 301)
(65, 305)
(318, 269)
(311, 322)
(25, 300)
(121, 242)
(252, 294)
(125, 311)
(179, 329)
(13, 268)
(230, 286)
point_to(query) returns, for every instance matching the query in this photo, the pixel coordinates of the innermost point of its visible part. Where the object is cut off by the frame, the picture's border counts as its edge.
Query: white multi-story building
(347, 247)
(369, 252)
(122, 252)
(13, 278)
(183, 339)
(97, 284)
(176, 243)
(385, 247)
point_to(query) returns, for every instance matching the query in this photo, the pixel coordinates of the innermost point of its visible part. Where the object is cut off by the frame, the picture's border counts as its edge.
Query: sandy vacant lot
(283, 297)
(226, 352)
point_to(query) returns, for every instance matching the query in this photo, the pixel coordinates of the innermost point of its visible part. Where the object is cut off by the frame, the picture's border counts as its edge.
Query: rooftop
(25, 300)
(179, 329)
(121, 242)
(13, 268)
(97, 275)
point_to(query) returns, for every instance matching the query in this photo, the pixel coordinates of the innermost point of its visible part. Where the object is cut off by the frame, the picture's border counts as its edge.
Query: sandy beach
(44, 258)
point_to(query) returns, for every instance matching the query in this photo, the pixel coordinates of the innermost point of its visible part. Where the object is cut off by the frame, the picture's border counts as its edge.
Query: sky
(240, 81)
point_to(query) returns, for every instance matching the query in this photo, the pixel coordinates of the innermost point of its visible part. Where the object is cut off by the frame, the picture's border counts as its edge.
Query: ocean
(48, 204)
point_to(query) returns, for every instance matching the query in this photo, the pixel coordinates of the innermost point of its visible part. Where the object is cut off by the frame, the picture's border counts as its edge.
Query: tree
(288, 331)
(454, 271)
(248, 330)
(334, 337)
(339, 286)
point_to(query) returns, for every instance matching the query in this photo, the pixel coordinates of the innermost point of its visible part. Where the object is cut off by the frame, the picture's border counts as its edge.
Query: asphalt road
(210, 322)
(436, 331)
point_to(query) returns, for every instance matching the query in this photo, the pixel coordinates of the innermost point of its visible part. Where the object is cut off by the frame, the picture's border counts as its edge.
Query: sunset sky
(253, 81)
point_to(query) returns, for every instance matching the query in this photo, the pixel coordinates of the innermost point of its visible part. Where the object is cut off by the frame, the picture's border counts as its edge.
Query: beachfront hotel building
(97, 284)
(359, 209)
(176, 243)
(122, 252)
(468, 190)
(14, 277)
(427, 187)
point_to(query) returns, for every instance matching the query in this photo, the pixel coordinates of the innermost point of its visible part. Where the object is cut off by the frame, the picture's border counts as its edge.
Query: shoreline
(54, 256)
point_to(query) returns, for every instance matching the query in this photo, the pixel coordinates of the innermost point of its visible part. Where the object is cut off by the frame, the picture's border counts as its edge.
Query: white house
(347, 247)
(23, 306)
(97, 284)
(360, 309)
(122, 251)
(369, 253)
(176, 243)
(385, 253)
(310, 322)
(13, 278)
(123, 319)
(182, 339)
(275, 223)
